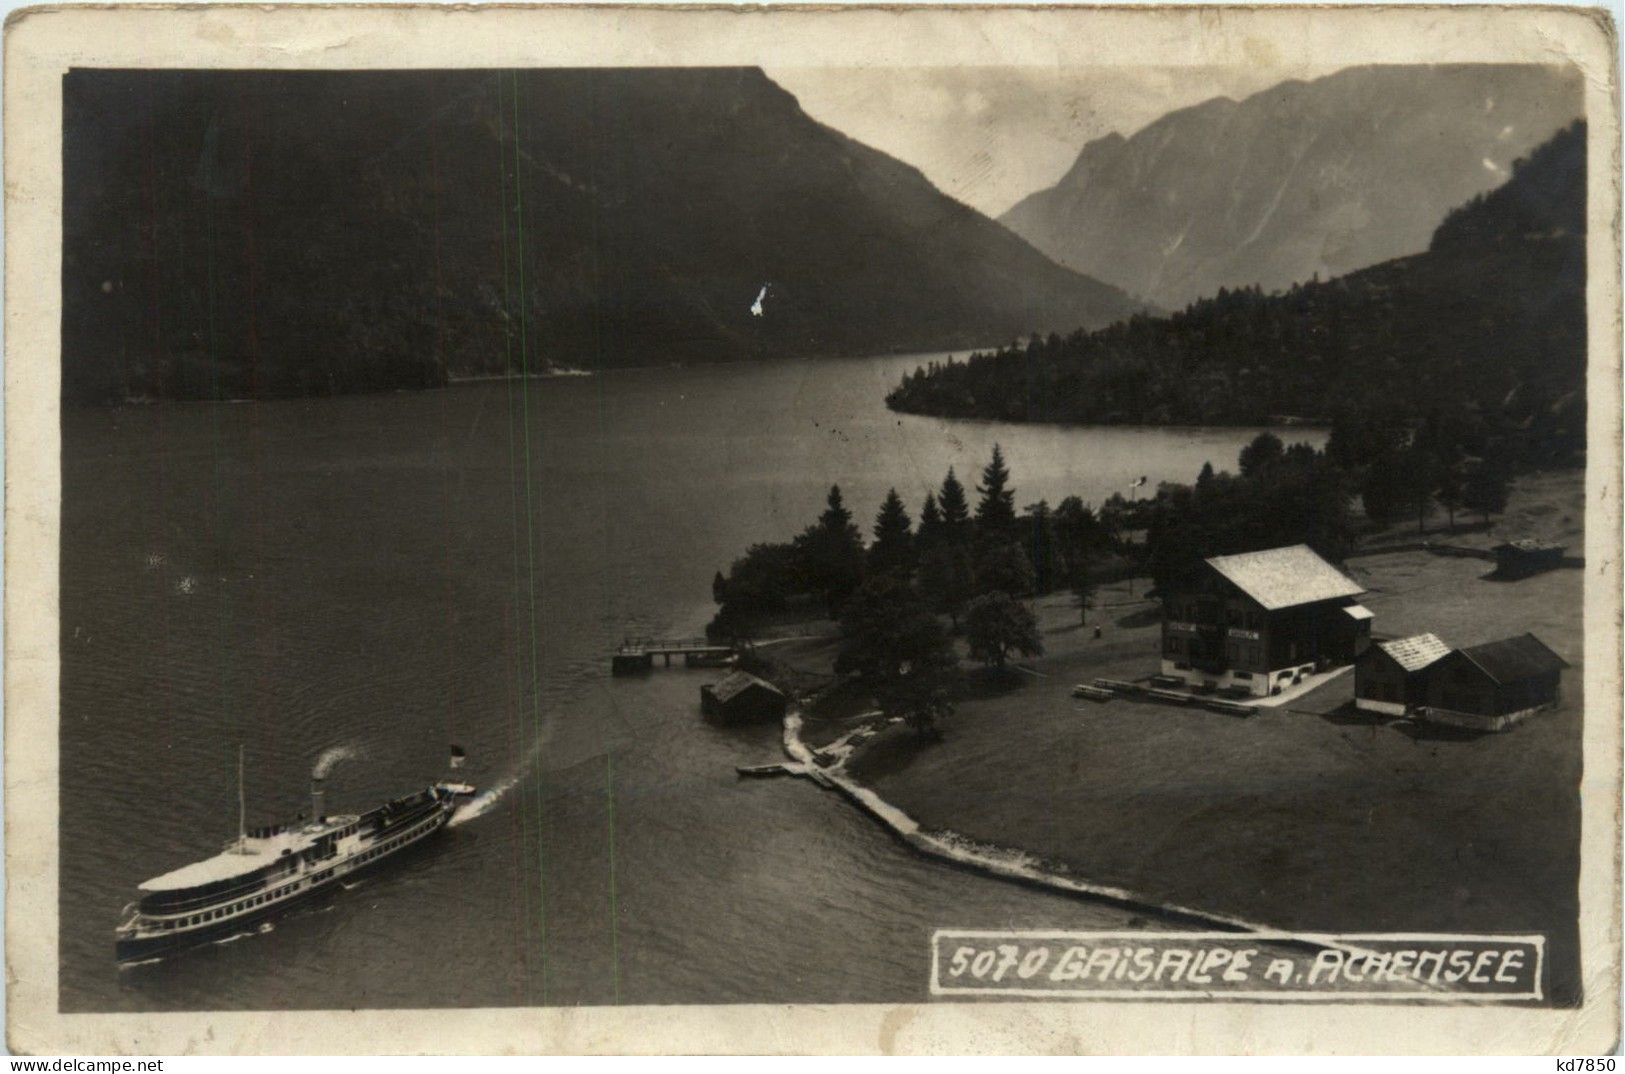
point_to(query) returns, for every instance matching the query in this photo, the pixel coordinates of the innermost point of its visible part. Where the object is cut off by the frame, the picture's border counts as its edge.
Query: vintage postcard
(637, 529)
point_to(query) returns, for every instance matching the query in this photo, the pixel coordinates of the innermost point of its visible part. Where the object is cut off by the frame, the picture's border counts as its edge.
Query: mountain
(1305, 178)
(252, 234)
(1487, 324)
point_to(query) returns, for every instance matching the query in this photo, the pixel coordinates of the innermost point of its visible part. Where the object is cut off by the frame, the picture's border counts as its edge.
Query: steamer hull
(263, 876)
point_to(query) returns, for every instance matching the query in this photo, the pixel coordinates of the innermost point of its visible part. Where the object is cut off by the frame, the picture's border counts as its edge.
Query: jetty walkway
(638, 654)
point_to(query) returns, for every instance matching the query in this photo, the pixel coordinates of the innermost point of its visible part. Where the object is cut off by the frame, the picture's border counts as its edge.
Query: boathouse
(1490, 687)
(742, 696)
(1390, 677)
(1520, 559)
(1258, 622)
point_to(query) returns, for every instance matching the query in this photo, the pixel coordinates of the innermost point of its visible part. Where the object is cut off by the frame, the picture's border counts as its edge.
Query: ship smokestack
(318, 800)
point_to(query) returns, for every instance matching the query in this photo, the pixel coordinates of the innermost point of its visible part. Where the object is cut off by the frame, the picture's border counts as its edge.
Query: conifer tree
(955, 507)
(1037, 529)
(996, 512)
(831, 553)
(835, 517)
(893, 550)
(929, 534)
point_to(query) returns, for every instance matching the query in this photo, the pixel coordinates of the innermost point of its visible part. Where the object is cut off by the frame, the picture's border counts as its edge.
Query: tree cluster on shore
(1297, 494)
(975, 568)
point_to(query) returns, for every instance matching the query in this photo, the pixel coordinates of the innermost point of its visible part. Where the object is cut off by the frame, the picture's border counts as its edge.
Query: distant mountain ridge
(1305, 178)
(255, 234)
(1489, 322)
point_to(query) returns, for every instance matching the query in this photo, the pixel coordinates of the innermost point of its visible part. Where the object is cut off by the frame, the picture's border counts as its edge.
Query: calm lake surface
(386, 574)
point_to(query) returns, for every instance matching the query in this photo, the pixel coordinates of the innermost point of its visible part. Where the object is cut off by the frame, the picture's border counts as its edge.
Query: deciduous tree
(1004, 568)
(998, 625)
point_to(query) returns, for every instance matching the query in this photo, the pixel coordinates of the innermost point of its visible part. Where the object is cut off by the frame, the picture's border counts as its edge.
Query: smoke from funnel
(331, 757)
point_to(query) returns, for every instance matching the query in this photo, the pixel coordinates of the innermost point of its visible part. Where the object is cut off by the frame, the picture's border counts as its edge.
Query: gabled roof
(737, 683)
(1285, 577)
(1415, 652)
(1512, 659)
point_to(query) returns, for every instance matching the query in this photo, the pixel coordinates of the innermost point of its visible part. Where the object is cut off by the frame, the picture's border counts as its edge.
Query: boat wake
(487, 800)
(234, 937)
(482, 803)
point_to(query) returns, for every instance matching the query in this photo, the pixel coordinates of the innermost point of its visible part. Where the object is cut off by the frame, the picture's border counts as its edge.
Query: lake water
(386, 573)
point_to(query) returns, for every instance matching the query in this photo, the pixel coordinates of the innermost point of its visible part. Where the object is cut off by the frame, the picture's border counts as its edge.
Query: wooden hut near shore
(742, 696)
(1391, 676)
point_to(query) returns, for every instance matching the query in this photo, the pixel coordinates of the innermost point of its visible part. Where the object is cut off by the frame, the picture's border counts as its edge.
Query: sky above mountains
(989, 136)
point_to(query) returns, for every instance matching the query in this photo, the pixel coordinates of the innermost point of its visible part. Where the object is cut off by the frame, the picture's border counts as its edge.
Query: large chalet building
(1259, 622)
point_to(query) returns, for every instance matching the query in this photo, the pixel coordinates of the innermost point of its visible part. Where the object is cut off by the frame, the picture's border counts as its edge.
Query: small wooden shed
(1519, 559)
(1391, 676)
(742, 696)
(1490, 687)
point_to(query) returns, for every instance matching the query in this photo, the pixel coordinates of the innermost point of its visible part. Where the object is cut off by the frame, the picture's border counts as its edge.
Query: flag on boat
(457, 756)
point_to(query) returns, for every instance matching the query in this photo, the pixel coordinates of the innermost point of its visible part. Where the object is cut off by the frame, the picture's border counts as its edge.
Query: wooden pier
(638, 654)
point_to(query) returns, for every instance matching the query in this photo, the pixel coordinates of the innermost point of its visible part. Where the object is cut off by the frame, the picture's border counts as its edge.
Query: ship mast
(242, 810)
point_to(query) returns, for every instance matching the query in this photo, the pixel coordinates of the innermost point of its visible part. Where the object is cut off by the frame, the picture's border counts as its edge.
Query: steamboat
(264, 871)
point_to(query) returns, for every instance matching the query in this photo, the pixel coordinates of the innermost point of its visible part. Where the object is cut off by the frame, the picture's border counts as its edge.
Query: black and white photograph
(802, 532)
